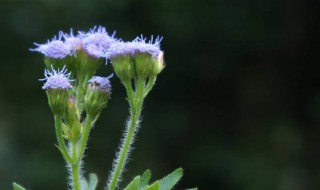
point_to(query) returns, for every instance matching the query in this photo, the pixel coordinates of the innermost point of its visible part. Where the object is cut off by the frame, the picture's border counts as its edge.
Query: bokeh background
(237, 106)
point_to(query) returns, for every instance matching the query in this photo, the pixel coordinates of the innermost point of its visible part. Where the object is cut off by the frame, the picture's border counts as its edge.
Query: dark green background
(237, 106)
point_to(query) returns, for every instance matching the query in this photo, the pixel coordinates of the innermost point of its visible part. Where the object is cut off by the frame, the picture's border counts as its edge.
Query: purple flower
(97, 41)
(56, 79)
(120, 49)
(54, 49)
(138, 45)
(73, 42)
(101, 83)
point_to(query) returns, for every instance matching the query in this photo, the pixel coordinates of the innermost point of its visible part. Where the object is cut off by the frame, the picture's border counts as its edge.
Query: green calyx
(123, 67)
(72, 129)
(140, 66)
(96, 99)
(57, 99)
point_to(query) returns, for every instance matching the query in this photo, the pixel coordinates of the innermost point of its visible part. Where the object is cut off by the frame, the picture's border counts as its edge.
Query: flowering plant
(76, 98)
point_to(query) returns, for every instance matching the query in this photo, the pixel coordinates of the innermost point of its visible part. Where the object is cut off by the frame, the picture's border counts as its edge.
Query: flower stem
(151, 82)
(85, 135)
(78, 148)
(135, 100)
(75, 167)
(62, 146)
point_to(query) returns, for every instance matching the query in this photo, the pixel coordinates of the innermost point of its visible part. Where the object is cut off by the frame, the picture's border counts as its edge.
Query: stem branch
(62, 146)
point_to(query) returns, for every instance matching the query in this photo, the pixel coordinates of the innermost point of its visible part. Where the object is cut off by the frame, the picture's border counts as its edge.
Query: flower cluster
(95, 42)
(77, 97)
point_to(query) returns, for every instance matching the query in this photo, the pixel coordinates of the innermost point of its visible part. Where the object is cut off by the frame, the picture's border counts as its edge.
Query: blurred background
(237, 106)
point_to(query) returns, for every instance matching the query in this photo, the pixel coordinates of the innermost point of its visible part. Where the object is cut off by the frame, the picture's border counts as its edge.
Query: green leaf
(154, 186)
(193, 188)
(84, 184)
(134, 184)
(17, 187)
(93, 181)
(144, 179)
(171, 180)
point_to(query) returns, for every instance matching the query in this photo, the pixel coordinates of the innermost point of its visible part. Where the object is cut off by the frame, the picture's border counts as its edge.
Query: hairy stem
(84, 137)
(135, 100)
(75, 167)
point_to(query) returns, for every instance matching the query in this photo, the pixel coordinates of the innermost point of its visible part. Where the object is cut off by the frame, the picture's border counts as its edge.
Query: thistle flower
(98, 94)
(55, 48)
(57, 87)
(97, 41)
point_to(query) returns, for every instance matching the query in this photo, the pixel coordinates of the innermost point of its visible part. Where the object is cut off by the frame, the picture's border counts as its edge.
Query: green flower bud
(123, 67)
(98, 94)
(57, 99)
(143, 64)
(72, 119)
(157, 65)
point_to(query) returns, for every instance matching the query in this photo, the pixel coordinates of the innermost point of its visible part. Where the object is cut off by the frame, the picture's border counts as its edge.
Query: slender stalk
(75, 168)
(151, 82)
(136, 105)
(62, 146)
(78, 148)
(130, 92)
(85, 136)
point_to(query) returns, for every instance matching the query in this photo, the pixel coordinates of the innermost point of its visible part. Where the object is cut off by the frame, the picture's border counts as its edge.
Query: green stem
(151, 82)
(136, 106)
(62, 146)
(130, 91)
(78, 148)
(85, 136)
(75, 168)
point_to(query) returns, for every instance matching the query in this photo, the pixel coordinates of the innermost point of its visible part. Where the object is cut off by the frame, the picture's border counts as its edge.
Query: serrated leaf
(134, 184)
(154, 186)
(17, 187)
(93, 181)
(171, 180)
(144, 179)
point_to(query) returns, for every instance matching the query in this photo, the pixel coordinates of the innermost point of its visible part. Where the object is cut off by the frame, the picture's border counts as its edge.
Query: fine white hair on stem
(127, 154)
(69, 168)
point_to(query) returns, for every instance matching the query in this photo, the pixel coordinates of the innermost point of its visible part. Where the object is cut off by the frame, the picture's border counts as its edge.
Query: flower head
(119, 49)
(73, 42)
(138, 45)
(101, 83)
(55, 48)
(141, 45)
(56, 79)
(98, 94)
(97, 41)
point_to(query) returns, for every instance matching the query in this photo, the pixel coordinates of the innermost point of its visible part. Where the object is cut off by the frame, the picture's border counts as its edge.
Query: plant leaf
(134, 184)
(93, 181)
(144, 179)
(17, 187)
(154, 186)
(171, 180)
(195, 188)
(84, 184)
